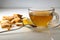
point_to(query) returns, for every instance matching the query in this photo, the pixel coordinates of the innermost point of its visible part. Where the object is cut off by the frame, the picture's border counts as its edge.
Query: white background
(29, 3)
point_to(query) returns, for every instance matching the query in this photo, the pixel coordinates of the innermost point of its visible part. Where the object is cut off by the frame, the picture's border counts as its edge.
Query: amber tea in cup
(41, 18)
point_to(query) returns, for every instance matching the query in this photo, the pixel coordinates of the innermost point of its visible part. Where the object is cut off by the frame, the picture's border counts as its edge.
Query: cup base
(40, 29)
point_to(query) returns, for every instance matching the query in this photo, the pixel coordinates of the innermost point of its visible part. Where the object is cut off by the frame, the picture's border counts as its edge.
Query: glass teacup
(42, 18)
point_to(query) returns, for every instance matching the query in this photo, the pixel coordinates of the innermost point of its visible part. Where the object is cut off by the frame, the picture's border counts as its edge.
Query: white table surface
(25, 33)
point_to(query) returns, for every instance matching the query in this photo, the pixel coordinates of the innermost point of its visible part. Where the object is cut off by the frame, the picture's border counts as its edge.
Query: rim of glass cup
(41, 9)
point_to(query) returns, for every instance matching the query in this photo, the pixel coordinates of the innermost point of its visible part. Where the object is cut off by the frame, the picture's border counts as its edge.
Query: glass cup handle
(55, 16)
(56, 20)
